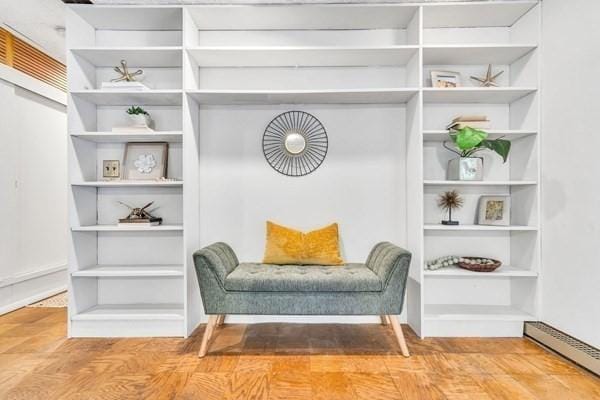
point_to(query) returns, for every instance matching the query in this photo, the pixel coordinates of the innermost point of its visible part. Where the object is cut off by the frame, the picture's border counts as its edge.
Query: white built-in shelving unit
(140, 281)
(125, 280)
(456, 302)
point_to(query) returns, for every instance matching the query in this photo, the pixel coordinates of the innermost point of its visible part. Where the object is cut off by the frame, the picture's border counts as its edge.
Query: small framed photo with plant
(445, 79)
(494, 210)
(146, 161)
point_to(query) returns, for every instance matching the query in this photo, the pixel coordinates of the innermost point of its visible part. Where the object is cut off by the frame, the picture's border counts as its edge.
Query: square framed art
(145, 161)
(494, 210)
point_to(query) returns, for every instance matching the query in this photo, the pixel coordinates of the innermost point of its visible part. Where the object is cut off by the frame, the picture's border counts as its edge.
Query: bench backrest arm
(385, 258)
(220, 259)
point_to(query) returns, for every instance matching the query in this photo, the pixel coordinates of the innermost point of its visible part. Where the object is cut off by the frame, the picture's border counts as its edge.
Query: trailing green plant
(135, 110)
(469, 141)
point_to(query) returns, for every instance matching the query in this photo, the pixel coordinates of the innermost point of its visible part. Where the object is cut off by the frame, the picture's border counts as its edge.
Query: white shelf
(130, 271)
(493, 95)
(295, 56)
(511, 134)
(130, 183)
(121, 137)
(476, 14)
(117, 228)
(131, 312)
(478, 183)
(440, 227)
(168, 56)
(474, 54)
(318, 16)
(464, 312)
(334, 96)
(102, 97)
(502, 272)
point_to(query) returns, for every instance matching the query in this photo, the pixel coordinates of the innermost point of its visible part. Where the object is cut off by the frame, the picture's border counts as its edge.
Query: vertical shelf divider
(414, 179)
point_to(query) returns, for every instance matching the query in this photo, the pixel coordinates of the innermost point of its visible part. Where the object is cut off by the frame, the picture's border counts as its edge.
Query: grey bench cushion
(254, 277)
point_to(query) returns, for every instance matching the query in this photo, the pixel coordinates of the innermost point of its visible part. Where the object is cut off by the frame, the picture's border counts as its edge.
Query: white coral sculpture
(145, 163)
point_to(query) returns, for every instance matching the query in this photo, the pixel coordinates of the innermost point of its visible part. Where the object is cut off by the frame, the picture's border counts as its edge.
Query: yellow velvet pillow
(289, 246)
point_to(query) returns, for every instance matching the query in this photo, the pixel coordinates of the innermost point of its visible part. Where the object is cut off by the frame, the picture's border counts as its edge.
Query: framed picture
(494, 210)
(445, 79)
(145, 161)
(111, 169)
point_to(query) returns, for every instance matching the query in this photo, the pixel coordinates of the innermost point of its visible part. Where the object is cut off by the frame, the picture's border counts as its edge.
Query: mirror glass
(295, 143)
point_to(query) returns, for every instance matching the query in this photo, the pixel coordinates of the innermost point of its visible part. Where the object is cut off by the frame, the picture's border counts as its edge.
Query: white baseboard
(470, 328)
(132, 328)
(46, 270)
(28, 288)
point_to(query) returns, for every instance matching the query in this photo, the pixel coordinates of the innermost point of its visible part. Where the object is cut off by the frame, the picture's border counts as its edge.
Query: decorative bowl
(479, 264)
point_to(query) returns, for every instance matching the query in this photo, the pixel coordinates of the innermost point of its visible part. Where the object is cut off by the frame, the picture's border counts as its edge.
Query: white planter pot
(140, 120)
(465, 169)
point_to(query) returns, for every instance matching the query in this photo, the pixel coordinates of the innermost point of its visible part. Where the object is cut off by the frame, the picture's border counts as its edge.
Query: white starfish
(488, 80)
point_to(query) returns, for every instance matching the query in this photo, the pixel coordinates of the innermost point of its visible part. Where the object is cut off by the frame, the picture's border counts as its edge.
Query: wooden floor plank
(373, 386)
(459, 386)
(213, 386)
(546, 387)
(276, 362)
(249, 385)
(516, 364)
(331, 386)
(584, 385)
(290, 385)
(502, 387)
(551, 364)
(414, 363)
(165, 386)
(417, 386)
(331, 363)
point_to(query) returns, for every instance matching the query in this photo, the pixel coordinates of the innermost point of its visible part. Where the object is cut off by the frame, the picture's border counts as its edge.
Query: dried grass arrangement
(449, 201)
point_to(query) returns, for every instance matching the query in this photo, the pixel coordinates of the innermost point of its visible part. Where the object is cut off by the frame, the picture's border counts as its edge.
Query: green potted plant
(139, 117)
(468, 142)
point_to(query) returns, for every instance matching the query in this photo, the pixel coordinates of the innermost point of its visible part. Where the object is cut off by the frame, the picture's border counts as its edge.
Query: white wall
(571, 168)
(33, 193)
(360, 184)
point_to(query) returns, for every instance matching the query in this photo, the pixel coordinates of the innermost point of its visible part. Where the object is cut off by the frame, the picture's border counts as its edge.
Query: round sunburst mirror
(295, 143)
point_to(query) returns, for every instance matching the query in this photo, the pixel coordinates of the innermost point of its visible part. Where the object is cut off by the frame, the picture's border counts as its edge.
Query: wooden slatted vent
(23, 57)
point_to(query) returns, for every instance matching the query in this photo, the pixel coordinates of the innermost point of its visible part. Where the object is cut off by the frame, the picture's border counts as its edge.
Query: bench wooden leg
(221, 319)
(399, 335)
(210, 328)
(385, 320)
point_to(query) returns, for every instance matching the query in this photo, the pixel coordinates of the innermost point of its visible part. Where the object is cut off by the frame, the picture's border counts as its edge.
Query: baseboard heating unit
(575, 350)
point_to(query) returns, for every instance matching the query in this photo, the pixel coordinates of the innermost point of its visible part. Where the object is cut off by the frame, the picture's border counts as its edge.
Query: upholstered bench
(374, 288)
